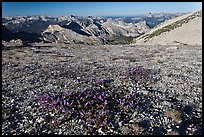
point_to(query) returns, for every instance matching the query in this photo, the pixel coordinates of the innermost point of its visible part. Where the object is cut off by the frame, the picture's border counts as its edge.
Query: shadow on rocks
(188, 116)
(159, 131)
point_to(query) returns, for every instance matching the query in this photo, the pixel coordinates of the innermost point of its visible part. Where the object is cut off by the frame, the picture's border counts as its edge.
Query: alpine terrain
(95, 75)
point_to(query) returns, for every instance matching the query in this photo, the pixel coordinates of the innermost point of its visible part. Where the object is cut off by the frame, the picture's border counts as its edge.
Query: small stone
(125, 130)
(172, 48)
(79, 121)
(120, 124)
(191, 125)
(52, 114)
(145, 92)
(100, 131)
(60, 131)
(12, 100)
(34, 114)
(29, 108)
(39, 120)
(21, 125)
(31, 121)
(189, 128)
(169, 130)
(134, 114)
(111, 130)
(115, 132)
(81, 126)
(131, 121)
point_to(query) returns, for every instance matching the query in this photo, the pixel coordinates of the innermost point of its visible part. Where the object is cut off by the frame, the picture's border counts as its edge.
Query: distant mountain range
(89, 30)
(152, 19)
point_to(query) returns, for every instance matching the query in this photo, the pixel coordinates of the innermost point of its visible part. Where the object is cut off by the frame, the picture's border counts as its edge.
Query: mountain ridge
(174, 31)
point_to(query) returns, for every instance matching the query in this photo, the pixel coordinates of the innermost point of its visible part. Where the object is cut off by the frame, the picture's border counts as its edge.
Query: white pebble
(12, 100)
(169, 130)
(39, 120)
(52, 114)
(120, 124)
(29, 108)
(131, 121)
(31, 121)
(100, 131)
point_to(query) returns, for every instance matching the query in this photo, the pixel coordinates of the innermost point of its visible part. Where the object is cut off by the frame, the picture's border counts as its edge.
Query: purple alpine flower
(58, 99)
(71, 103)
(81, 113)
(66, 92)
(94, 96)
(93, 121)
(47, 97)
(101, 125)
(87, 103)
(37, 97)
(61, 103)
(138, 108)
(100, 98)
(104, 122)
(63, 110)
(55, 102)
(103, 94)
(131, 103)
(65, 102)
(110, 123)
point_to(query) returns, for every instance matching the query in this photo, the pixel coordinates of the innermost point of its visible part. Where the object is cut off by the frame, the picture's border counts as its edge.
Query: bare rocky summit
(93, 32)
(57, 34)
(172, 106)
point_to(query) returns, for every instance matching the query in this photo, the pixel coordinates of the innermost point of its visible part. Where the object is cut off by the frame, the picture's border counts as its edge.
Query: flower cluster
(143, 77)
(94, 107)
(100, 106)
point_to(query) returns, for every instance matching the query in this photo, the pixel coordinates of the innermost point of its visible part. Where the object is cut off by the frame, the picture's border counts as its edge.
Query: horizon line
(100, 15)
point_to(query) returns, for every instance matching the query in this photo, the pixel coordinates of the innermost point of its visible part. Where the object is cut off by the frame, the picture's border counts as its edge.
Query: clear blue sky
(95, 8)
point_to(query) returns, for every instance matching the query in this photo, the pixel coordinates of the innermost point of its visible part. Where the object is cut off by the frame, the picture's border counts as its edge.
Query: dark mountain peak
(7, 35)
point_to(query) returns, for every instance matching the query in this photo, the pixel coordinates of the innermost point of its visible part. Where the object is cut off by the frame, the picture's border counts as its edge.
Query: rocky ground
(172, 105)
